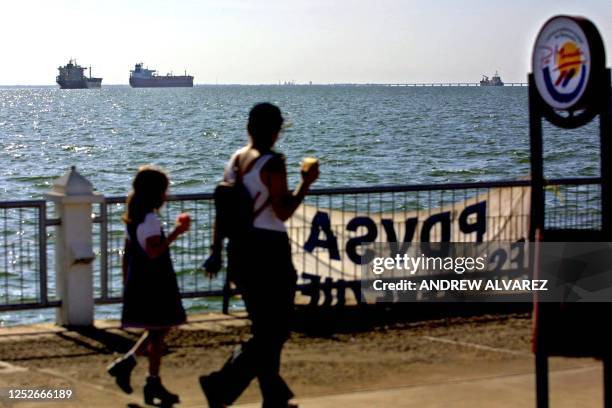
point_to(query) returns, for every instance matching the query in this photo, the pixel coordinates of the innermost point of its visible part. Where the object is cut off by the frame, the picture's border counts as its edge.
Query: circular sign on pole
(567, 62)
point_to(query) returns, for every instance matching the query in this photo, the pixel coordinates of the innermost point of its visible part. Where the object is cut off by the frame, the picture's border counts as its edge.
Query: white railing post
(73, 197)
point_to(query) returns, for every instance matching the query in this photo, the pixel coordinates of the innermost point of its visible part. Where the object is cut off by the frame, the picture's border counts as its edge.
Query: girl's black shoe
(154, 389)
(121, 369)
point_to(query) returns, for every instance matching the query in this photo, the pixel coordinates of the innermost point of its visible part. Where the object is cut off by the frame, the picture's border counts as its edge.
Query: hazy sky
(264, 41)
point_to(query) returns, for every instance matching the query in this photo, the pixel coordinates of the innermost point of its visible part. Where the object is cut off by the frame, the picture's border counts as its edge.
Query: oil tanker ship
(494, 81)
(71, 76)
(147, 78)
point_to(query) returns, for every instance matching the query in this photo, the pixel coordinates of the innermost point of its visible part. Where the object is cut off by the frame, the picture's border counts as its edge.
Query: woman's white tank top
(267, 218)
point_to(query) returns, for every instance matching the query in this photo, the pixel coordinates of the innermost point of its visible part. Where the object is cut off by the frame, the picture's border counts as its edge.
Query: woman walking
(151, 298)
(260, 265)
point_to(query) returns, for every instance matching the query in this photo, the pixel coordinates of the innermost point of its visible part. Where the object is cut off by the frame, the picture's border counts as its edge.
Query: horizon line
(280, 84)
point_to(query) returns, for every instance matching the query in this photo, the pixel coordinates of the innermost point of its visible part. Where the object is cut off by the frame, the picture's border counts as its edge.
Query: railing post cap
(72, 184)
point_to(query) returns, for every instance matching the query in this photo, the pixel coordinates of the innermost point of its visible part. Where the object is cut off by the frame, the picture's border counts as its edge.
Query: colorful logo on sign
(561, 63)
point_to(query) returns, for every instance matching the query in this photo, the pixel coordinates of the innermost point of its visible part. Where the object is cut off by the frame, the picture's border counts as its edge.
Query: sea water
(362, 135)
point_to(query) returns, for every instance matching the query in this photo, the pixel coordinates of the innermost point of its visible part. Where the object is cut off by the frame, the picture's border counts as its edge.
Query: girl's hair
(265, 121)
(147, 194)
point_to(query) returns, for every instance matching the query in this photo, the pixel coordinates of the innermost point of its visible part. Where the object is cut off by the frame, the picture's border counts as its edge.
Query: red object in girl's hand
(183, 222)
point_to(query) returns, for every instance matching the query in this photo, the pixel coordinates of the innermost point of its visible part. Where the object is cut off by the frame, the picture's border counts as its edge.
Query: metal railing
(23, 256)
(25, 282)
(573, 203)
(187, 251)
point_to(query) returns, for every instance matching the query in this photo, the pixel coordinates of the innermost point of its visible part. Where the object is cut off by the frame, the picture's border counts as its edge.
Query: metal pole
(535, 228)
(537, 166)
(605, 133)
(605, 119)
(42, 252)
(607, 380)
(226, 294)
(103, 251)
(541, 380)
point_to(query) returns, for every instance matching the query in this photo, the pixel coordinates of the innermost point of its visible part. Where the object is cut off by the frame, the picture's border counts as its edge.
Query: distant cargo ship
(494, 81)
(147, 78)
(71, 77)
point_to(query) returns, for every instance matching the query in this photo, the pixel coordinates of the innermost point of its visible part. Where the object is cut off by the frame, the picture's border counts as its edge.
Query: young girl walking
(151, 298)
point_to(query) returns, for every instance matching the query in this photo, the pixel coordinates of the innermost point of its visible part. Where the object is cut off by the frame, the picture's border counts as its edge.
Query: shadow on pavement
(106, 342)
(327, 321)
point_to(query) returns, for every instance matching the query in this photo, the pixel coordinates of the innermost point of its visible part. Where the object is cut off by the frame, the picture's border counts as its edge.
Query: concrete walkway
(580, 386)
(576, 387)
(472, 373)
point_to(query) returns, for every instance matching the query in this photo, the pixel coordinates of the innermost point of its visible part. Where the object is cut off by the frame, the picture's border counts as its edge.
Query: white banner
(328, 242)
